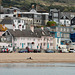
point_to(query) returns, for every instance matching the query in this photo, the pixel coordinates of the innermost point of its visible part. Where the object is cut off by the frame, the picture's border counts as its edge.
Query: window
(38, 16)
(37, 20)
(61, 29)
(61, 35)
(41, 44)
(14, 15)
(34, 39)
(23, 26)
(35, 16)
(24, 43)
(20, 43)
(15, 44)
(18, 21)
(22, 21)
(55, 14)
(44, 39)
(44, 44)
(67, 29)
(64, 29)
(57, 40)
(15, 39)
(15, 20)
(28, 44)
(51, 44)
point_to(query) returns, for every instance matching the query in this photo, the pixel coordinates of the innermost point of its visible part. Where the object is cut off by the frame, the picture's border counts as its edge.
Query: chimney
(42, 27)
(13, 27)
(20, 27)
(32, 28)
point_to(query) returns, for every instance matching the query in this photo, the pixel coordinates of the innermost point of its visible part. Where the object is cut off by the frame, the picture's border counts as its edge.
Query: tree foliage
(51, 23)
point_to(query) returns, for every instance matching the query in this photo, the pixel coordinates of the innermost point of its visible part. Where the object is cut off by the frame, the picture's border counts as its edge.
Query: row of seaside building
(18, 29)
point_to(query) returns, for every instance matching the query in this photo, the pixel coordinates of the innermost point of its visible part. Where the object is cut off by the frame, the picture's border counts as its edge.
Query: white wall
(37, 42)
(67, 22)
(9, 26)
(16, 23)
(3, 15)
(25, 40)
(4, 44)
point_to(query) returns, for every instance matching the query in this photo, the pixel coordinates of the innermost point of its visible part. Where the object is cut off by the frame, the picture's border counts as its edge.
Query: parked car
(4, 50)
(71, 51)
(30, 50)
(23, 51)
(37, 50)
(10, 49)
(49, 51)
(64, 50)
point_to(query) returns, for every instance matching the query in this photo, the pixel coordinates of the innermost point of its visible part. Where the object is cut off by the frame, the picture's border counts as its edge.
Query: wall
(22, 42)
(9, 26)
(3, 15)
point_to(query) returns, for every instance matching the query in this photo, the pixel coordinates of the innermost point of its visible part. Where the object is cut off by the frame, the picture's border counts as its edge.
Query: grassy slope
(43, 3)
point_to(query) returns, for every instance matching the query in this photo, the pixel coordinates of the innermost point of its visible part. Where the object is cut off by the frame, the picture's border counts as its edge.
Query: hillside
(63, 5)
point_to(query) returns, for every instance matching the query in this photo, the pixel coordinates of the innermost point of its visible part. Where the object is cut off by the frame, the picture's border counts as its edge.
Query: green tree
(51, 23)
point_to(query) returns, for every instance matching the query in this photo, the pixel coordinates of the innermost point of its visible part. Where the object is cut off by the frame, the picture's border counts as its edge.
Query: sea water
(37, 68)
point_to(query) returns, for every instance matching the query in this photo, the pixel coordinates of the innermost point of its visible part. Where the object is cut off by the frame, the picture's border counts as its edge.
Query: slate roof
(41, 32)
(7, 20)
(23, 33)
(54, 10)
(38, 32)
(66, 14)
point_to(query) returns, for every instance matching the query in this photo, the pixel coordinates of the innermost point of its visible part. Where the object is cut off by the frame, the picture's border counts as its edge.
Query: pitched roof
(23, 33)
(66, 14)
(38, 32)
(73, 18)
(41, 32)
(7, 20)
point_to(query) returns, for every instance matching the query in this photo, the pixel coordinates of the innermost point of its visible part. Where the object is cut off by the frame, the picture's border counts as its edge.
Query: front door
(47, 45)
(22, 45)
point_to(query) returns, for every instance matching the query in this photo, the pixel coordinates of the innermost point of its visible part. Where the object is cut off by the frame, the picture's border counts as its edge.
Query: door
(22, 45)
(47, 45)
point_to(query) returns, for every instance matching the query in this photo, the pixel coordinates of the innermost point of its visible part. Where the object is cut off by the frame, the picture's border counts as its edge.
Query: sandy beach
(37, 57)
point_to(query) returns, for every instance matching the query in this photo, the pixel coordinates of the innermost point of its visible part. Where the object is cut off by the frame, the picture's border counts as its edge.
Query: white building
(34, 38)
(65, 18)
(13, 23)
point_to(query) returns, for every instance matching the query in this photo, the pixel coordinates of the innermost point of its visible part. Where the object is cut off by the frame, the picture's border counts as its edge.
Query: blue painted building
(61, 36)
(72, 36)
